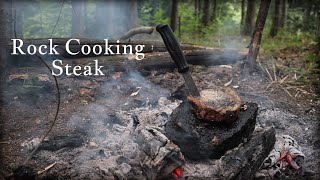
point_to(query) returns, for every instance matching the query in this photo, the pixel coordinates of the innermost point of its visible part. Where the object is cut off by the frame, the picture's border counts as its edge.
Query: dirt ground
(91, 103)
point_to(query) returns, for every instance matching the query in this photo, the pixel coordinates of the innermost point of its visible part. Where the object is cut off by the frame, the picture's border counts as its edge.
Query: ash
(112, 150)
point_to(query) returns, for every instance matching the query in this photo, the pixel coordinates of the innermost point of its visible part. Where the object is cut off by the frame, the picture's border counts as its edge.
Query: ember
(177, 173)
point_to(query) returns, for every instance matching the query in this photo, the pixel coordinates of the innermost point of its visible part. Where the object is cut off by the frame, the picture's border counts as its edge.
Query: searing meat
(221, 104)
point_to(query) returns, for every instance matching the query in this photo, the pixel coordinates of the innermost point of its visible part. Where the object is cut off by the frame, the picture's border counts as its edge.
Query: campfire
(211, 134)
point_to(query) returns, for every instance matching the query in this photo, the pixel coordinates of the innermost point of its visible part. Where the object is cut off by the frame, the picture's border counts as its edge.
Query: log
(241, 162)
(245, 160)
(208, 57)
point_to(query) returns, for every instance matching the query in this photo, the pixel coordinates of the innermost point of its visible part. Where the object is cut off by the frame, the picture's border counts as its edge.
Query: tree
(284, 12)
(6, 33)
(307, 15)
(133, 14)
(257, 35)
(214, 10)
(78, 18)
(206, 12)
(174, 15)
(197, 7)
(105, 24)
(243, 4)
(18, 19)
(249, 20)
(276, 19)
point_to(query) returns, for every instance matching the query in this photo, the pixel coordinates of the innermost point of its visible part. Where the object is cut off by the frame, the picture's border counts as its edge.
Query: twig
(269, 85)
(270, 77)
(46, 168)
(283, 79)
(5, 142)
(274, 71)
(285, 90)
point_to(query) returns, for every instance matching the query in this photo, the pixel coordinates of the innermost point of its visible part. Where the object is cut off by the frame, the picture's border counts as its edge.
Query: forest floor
(287, 102)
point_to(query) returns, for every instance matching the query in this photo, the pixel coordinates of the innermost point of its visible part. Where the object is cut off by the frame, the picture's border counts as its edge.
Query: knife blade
(177, 56)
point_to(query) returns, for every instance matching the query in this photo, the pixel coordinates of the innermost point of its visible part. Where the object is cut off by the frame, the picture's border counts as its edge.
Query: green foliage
(40, 18)
(227, 23)
(152, 12)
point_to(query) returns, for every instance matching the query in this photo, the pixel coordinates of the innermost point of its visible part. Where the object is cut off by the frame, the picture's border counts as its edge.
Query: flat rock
(199, 139)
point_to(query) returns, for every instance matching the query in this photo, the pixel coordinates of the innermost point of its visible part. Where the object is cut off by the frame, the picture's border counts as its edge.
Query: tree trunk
(214, 12)
(206, 13)
(18, 19)
(78, 18)
(249, 20)
(133, 14)
(307, 16)
(275, 19)
(257, 35)
(6, 33)
(104, 24)
(85, 20)
(174, 15)
(243, 8)
(283, 17)
(196, 7)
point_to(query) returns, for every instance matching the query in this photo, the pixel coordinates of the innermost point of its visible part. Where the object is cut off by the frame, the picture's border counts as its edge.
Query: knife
(177, 56)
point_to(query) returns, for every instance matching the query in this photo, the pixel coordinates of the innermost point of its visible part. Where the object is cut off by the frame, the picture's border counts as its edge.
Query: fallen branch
(138, 30)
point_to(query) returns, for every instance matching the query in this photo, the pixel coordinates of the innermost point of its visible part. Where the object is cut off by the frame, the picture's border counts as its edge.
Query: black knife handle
(173, 47)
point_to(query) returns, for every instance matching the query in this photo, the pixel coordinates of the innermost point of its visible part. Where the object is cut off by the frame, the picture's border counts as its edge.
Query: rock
(198, 139)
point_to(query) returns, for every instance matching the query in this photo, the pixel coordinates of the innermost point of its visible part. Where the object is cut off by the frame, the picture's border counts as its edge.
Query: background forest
(290, 24)
(212, 23)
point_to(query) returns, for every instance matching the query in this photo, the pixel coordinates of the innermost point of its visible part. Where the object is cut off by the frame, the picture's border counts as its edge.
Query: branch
(138, 30)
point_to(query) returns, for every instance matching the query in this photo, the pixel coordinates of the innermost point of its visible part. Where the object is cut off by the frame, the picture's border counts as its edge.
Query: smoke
(108, 124)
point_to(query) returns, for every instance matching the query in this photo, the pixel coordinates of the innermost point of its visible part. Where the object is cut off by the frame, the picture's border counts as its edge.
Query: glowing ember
(177, 173)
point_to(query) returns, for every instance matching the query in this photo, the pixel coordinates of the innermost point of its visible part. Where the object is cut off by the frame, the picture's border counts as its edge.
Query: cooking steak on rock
(221, 104)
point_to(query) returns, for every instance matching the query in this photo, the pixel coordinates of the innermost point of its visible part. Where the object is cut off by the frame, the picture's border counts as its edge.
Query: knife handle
(173, 47)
